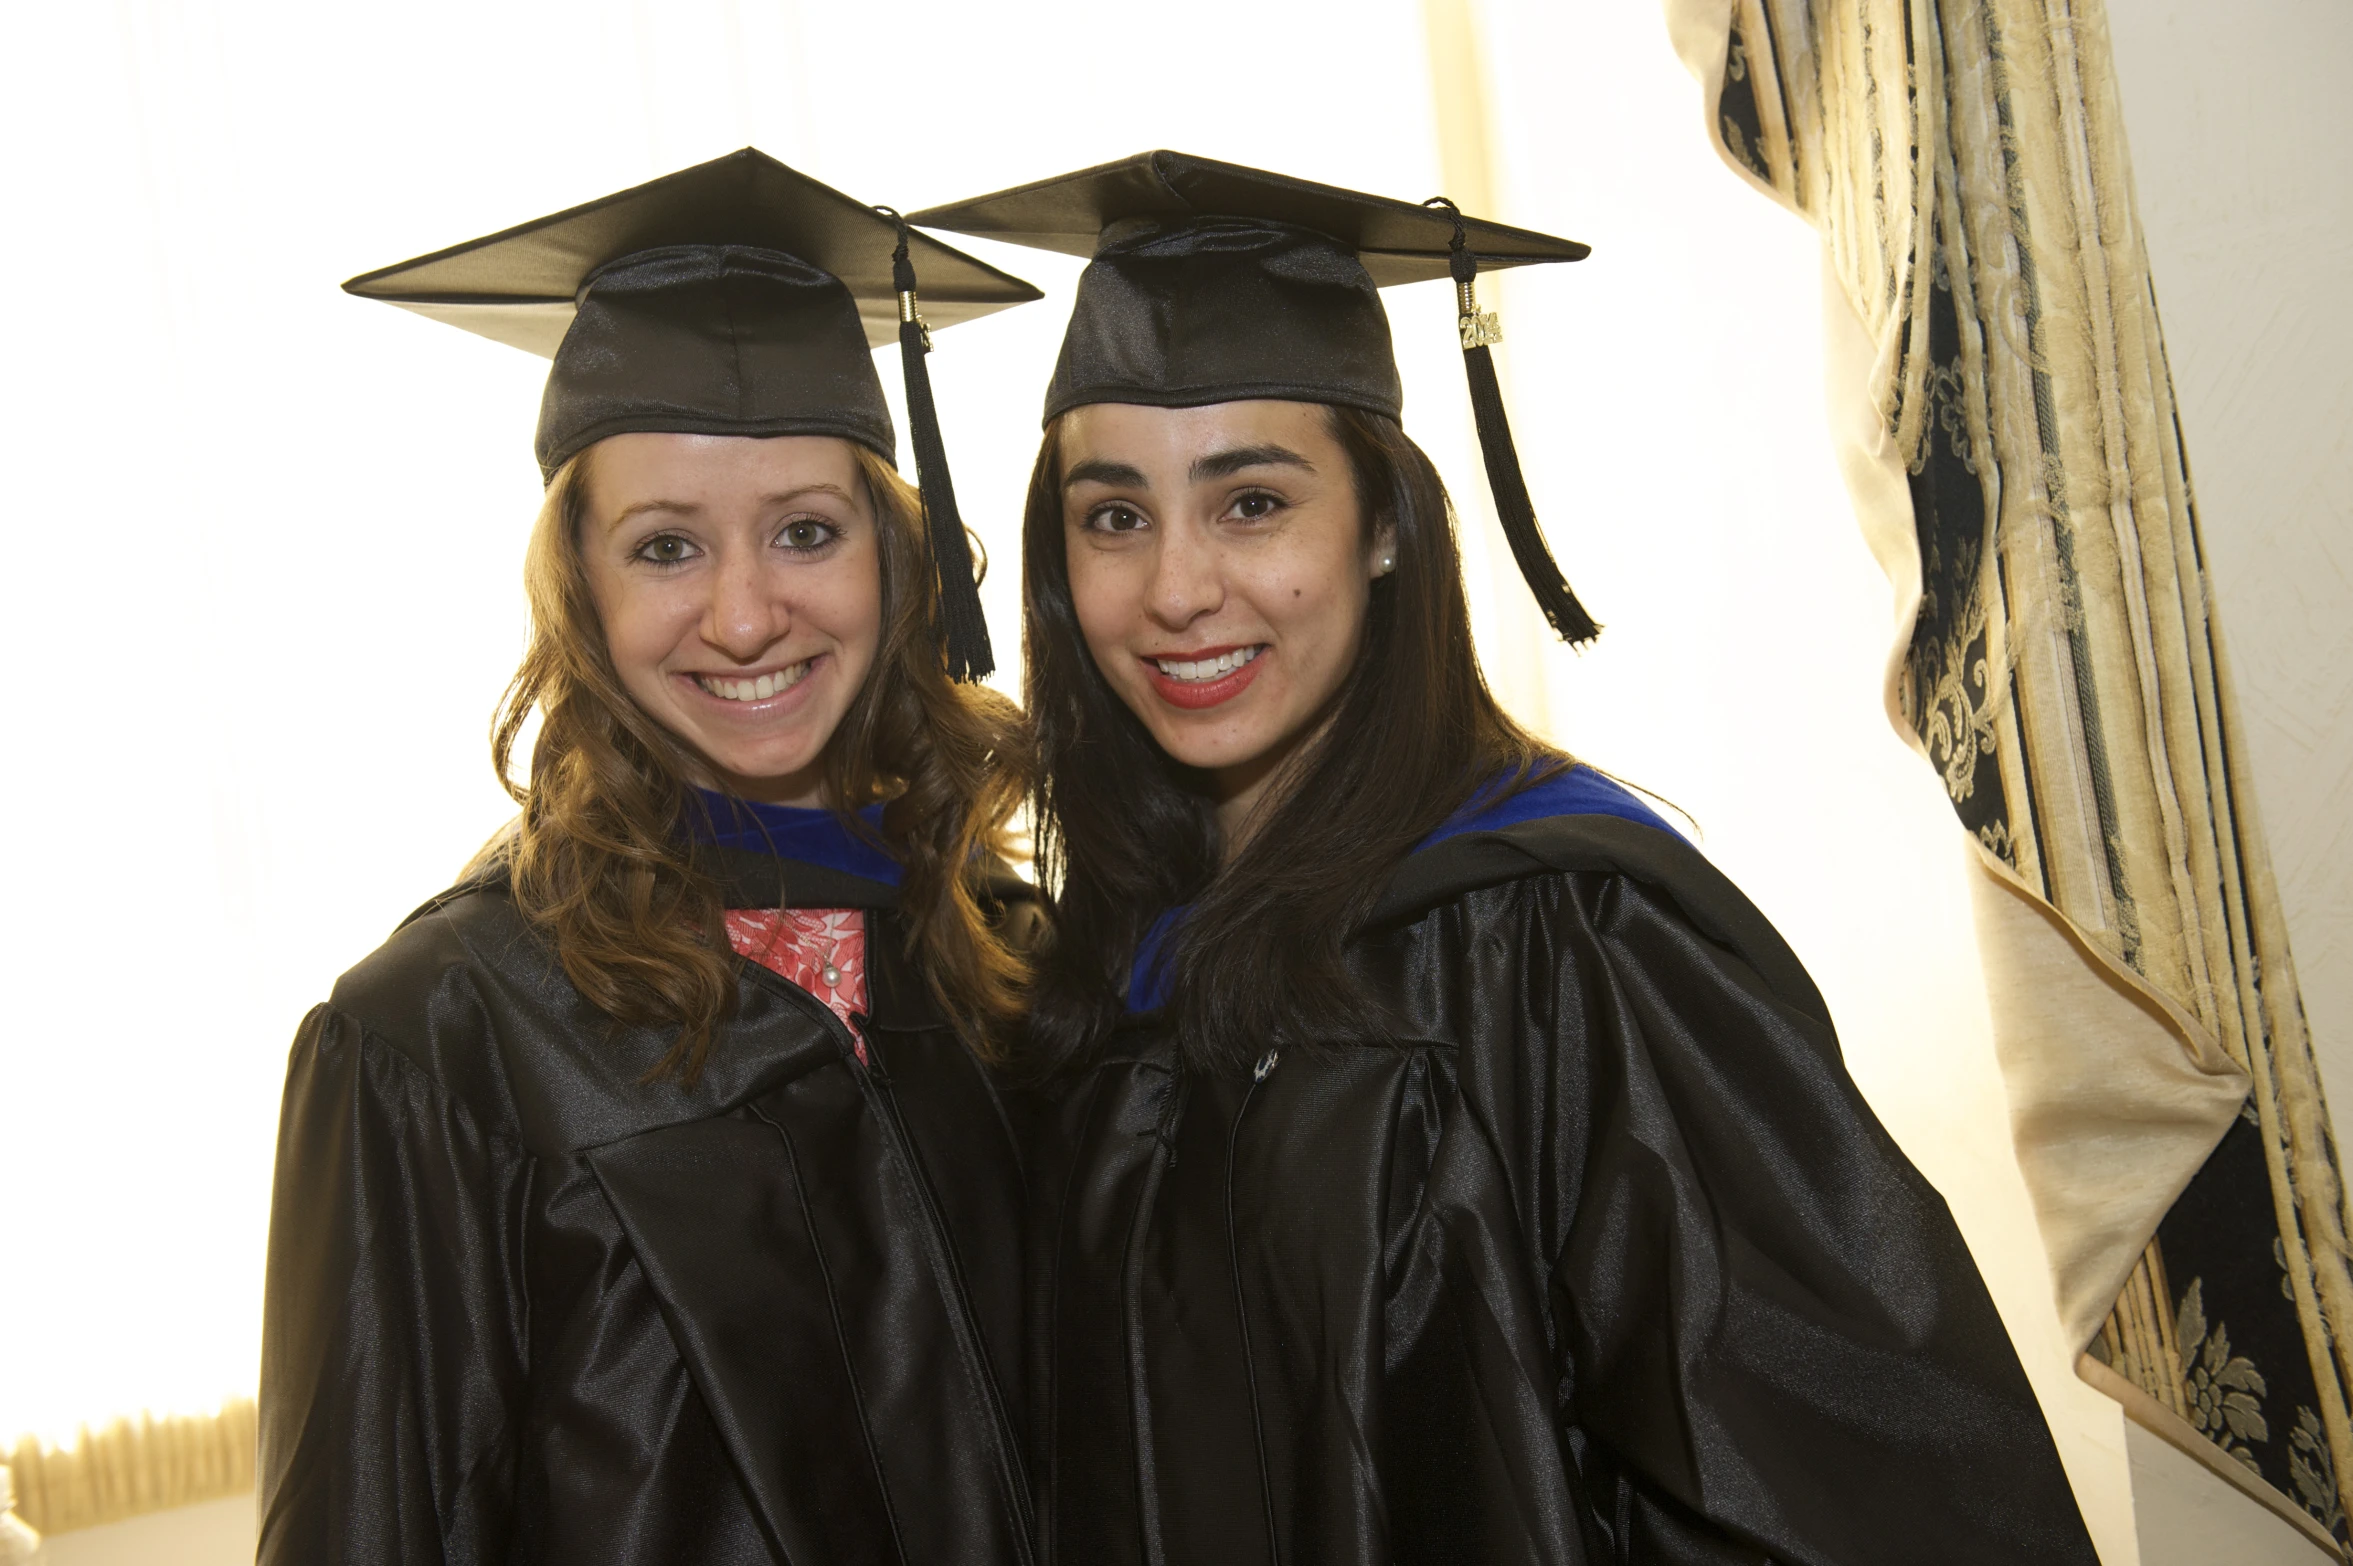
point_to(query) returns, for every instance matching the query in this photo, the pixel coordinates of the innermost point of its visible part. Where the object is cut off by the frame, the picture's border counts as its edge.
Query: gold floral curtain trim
(2159, 1419)
(130, 1467)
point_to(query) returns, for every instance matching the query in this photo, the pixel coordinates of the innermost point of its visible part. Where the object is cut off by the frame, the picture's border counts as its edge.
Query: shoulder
(432, 992)
(1635, 885)
(470, 994)
(447, 951)
(1572, 789)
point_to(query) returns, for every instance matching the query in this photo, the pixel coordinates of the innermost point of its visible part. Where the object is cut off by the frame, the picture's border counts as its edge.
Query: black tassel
(1512, 505)
(964, 630)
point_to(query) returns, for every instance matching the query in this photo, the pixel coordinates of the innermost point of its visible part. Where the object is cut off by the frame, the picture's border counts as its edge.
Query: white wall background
(266, 581)
(2239, 122)
(269, 536)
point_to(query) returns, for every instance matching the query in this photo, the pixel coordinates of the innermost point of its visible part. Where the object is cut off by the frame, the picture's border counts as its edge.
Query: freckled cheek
(630, 640)
(1302, 606)
(644, 631)
(847, 602)
(853, 626)
(1109, 606)
(1320, 627)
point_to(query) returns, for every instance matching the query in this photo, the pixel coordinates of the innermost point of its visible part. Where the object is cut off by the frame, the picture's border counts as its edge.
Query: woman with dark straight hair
(647, 1197)
(1446, 1163)
(1261, 950)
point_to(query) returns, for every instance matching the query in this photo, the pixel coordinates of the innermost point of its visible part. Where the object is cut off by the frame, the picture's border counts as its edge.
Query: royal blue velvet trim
(1580, 791)
(815, 837)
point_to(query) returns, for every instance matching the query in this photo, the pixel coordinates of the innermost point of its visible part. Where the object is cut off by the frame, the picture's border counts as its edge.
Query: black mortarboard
(736, 297)
(1210, 282)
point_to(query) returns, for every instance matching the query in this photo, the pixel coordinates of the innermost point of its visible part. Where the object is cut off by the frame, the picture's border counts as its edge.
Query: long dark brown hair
(1124, 832)
(599, 860)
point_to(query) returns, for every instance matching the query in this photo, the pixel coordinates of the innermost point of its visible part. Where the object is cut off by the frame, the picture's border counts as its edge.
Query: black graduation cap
(1211, 282)
(737, 297)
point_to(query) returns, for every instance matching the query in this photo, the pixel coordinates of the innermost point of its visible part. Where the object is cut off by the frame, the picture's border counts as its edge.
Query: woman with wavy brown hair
(647, 1196)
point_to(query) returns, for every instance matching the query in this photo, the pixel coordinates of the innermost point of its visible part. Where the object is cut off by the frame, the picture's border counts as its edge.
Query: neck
(805, 789)
(1237, 816)
(1250, 792)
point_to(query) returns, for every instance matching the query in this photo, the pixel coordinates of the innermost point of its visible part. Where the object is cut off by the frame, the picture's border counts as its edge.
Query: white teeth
(761, 689)
(1200, 669)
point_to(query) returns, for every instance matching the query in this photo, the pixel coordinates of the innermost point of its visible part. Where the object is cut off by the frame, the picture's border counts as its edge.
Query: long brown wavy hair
(1125, 833)
(599, 860)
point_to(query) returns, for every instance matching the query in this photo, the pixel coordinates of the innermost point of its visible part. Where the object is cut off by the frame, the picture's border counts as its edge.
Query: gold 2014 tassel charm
(1480, 328)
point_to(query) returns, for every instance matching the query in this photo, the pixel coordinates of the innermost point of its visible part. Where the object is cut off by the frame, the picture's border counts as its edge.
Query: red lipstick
(1194, 695)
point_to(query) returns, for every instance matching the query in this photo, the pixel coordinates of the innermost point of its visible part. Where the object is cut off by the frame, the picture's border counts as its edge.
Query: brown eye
(1115, 519)
(805, 535)
(665, 549)
(1256, 506)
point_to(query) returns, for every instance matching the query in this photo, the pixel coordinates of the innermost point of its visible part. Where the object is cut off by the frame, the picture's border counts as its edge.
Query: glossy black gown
(523, 1308)
(1601, 1260)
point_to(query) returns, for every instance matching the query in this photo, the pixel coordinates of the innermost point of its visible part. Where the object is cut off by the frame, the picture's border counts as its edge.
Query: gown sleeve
(393, 1327)
(1775, 1345)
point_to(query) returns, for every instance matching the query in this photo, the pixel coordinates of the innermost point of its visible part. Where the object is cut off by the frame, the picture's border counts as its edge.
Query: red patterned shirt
(823, 950)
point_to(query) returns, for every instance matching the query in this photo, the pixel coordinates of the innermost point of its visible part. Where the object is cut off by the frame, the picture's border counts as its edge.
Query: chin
(766, 773)
(760, 768)
(1205, 753)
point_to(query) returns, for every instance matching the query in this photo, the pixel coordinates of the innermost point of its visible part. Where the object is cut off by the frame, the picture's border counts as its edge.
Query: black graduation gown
(1601, 1259)
(523, 1307)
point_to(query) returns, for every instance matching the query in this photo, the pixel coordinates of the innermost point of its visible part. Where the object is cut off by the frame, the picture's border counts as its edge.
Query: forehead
(715, 470)
(1148, 437)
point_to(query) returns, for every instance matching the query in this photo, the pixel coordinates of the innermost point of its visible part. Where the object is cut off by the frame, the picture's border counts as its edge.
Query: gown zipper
(1259, 1074)
(874, 1084)
(1161, 1160)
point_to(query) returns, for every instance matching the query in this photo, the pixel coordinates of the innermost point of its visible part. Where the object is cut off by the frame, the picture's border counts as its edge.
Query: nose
(747, 613)
(1187, 581)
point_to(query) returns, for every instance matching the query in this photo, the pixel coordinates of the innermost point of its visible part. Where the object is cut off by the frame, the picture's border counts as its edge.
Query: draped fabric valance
(2063, 671)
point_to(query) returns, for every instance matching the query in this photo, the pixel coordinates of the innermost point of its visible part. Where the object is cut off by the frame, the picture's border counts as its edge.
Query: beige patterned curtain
(2062, 669)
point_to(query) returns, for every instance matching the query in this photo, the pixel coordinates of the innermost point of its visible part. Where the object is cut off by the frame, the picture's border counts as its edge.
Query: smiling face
(740, 585)
(1221, 571)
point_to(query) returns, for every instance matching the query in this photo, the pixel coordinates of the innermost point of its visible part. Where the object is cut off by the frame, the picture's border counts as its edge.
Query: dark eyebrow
(1118, 475)
(1217, 465)
(1224, 464)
